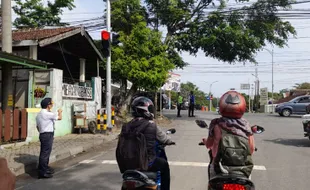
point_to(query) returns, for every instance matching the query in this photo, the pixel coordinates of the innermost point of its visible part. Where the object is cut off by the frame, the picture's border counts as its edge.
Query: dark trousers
(162, 165)
(179, 109)
(46, 140)
(191, 110)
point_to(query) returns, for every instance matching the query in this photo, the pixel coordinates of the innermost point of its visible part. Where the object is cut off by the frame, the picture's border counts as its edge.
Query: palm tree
(304, 85)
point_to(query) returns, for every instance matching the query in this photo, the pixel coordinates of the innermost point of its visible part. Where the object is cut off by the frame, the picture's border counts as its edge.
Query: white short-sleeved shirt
(46, 120)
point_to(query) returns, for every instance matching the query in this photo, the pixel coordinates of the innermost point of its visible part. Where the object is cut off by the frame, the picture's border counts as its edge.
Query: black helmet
(142, 107)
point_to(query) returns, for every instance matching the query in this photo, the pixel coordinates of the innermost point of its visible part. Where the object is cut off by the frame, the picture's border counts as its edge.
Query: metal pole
(7, 84)
(210, 96)
(272, 82)
(108, 69)
(249, 96)
(161, 103)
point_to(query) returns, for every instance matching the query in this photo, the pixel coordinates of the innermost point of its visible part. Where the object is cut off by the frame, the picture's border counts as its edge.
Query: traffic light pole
(108, 68)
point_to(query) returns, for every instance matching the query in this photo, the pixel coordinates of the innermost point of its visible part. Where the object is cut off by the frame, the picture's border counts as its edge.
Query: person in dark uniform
(180, 102)
(45, 125)
(191, 105)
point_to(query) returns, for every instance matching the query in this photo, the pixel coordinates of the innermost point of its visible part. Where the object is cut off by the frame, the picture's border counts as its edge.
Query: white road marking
(194, 164)
(259, 167)
(86, 161)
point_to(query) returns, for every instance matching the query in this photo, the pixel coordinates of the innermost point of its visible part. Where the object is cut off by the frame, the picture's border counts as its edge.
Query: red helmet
(232, 105)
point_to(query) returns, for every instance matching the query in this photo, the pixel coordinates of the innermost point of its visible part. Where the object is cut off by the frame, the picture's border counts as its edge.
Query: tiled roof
(39, 33)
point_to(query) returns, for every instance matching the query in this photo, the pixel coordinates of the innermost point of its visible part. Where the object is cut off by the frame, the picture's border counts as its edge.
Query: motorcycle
(229, 181)
(144, 180)
(306, 125)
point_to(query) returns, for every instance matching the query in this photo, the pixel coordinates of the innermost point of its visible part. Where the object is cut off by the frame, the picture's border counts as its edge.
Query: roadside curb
(21, 168)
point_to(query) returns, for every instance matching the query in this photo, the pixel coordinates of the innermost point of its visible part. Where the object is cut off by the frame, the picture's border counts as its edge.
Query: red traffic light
(105, 35)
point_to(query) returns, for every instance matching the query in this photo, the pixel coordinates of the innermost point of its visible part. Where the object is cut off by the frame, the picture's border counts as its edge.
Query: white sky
(291, 63)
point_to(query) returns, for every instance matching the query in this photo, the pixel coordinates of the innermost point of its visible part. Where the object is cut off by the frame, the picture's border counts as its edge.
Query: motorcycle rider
(232, 107)
(143, 111)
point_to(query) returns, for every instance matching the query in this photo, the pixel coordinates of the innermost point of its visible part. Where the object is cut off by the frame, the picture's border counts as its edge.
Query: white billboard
(245, 86)
(173, 83)
(263, 96)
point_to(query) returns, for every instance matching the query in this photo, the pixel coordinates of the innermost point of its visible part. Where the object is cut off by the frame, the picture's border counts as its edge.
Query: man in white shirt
(45, 125)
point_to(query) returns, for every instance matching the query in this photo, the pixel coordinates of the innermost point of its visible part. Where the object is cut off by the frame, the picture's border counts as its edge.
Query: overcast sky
(291, 64)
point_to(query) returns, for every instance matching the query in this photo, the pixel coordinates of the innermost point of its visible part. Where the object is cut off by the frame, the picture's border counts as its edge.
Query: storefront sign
(76, 91)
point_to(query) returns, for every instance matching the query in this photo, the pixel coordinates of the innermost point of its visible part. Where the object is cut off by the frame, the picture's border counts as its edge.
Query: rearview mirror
(171, 131)
(201, 123)
(257, 129)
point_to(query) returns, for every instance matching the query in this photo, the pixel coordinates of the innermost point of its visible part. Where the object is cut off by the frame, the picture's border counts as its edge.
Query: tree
(304, 85)
(230, 36)
(142, 58)
(33, 13)
(200, 96)
(126, 13)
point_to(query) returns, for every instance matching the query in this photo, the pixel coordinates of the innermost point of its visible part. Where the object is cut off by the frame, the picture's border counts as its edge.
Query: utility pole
(252, 88)
(272, 110)
(249, 96)
(108, 69)
(256, 88)
(7, 81)
(210, 94)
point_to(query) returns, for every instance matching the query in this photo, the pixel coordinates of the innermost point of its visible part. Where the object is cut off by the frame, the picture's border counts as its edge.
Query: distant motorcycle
(230, 181)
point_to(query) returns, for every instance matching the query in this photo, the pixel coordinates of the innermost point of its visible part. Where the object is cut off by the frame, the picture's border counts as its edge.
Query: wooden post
(24, 124)
(16, 124)
(7, 125)
(1, 127)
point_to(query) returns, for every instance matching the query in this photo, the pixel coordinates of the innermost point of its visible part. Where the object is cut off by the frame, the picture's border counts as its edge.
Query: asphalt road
(281, 161)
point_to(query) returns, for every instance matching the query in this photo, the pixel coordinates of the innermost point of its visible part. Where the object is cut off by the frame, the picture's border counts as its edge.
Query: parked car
(295, 106)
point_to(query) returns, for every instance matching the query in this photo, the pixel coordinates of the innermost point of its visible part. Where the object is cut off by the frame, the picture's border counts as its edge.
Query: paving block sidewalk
(24, 157)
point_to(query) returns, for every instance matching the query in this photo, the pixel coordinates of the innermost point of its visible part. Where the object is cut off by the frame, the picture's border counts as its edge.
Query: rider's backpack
(233, 155)
(131, 151)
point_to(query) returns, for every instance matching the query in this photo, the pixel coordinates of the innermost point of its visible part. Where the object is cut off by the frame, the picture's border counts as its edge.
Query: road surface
(281, 161)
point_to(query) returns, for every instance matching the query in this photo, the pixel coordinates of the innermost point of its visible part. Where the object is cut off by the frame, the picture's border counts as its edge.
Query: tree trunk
(155, 105)
(126, 102)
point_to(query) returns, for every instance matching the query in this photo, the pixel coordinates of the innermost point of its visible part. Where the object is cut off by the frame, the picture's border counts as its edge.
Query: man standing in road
(180, 102)
(191, 105)
(45, 125)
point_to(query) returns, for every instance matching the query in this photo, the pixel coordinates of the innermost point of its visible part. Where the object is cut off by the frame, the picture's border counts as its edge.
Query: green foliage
(304, 85)
(142, 58)
(225, 35)
(276, 96)
(127, 13)
(33, 13)
(200, 96)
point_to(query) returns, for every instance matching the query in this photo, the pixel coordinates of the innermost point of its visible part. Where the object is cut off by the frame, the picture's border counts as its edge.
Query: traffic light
(106, 41)
(115, 39)
(211, 97)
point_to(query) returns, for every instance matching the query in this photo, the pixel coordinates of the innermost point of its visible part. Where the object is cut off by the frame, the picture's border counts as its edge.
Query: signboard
(10, 100)
(245, 87)
(263, 96)
(76, 91)
(173, 83)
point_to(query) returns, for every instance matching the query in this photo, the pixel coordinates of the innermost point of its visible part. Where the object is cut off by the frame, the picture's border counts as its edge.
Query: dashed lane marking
(86, 161)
